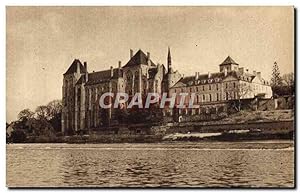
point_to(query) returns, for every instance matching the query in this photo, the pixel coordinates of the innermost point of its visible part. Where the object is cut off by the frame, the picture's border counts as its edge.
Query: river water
(206, 164)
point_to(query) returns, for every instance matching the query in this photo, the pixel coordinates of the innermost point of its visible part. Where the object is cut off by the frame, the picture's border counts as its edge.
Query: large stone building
(82, 90)
(230, 83)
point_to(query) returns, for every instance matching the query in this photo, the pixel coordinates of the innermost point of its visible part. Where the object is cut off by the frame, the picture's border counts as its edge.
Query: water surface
(206, 164)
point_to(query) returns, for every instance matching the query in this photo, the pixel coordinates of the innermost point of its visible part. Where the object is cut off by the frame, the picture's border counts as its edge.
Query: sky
(42, 42)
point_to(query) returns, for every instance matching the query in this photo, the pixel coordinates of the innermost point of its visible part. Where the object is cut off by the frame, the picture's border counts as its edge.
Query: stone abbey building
(82, 89)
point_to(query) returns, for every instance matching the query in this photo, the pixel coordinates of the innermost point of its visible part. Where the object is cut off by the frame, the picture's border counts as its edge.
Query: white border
(110, 2)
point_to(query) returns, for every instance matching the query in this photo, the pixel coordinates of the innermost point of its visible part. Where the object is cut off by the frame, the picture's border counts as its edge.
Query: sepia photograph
(150, 97)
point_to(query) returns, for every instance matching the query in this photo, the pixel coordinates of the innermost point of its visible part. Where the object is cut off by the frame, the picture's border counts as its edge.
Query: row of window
(208, 87)
(216, 97)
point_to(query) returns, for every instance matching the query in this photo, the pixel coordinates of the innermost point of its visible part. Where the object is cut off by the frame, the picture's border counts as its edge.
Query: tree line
(42, 124)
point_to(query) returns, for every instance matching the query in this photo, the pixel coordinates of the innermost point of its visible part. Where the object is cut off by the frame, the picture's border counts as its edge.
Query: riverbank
(242, 126)
(281, 130)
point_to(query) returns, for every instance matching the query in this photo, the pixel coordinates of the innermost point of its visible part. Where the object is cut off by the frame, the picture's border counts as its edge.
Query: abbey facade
(82, 90)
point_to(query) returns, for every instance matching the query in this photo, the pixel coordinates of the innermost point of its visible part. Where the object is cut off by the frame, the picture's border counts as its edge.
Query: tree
(25, 119)
(276, 79)
(244, 89)
(54, 110)
(17, 136)
(42, 112)
(25, 114)
(289, 81)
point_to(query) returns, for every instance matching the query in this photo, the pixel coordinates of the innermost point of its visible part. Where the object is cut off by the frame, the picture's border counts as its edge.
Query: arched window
(210, 98)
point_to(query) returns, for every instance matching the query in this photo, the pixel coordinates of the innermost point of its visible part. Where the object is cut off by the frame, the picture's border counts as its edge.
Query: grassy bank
(230, 136)
(252, 116)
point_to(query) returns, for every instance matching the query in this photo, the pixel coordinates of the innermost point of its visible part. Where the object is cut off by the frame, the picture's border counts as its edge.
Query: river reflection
(151, 165)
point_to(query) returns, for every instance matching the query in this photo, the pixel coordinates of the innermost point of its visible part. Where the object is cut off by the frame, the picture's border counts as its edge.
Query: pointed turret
(229, 65)
(169, 60)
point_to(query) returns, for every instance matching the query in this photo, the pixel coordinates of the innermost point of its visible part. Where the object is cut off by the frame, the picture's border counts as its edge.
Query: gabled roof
(139, 58)
(228, 60)
(73, 68)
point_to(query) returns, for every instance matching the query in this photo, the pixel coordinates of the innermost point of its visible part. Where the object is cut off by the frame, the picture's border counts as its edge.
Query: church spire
(169, 60)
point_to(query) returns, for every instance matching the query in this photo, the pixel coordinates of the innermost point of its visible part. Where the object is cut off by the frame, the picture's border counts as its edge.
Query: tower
(70, 78)
(172, 77)
(229, 65)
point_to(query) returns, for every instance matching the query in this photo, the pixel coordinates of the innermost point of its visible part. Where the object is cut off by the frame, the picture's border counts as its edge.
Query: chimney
(241, 70)
(120, 64)
(254, 72)
(225, 72)
(86, 72)
(258, 74)
(85, 65)
(208, 74)
(196, 75)
(148, 59)
(131, 53)
(148, 55)
(111, 71)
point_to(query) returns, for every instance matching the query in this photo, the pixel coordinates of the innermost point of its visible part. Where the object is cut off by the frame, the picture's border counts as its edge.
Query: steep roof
(139, 58)
(102, 76)
(73, 67)
(228, 60)
(214, 77)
